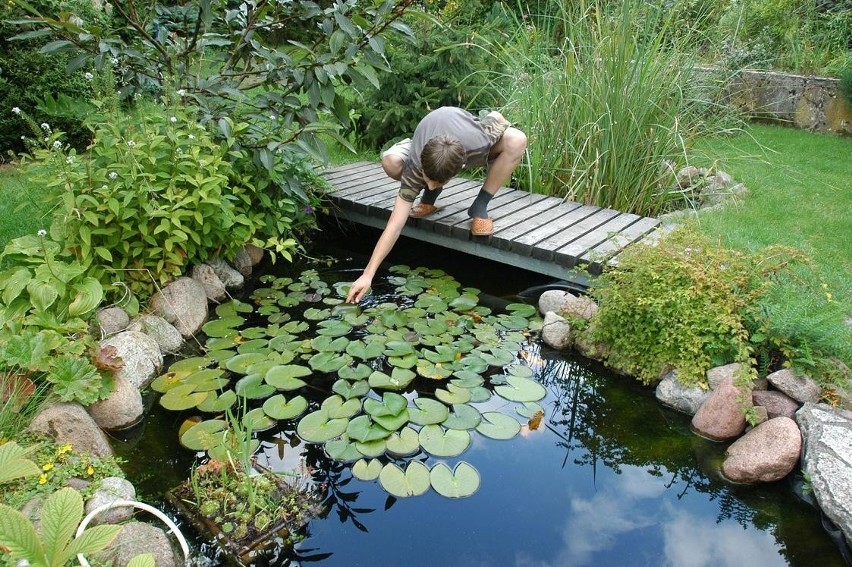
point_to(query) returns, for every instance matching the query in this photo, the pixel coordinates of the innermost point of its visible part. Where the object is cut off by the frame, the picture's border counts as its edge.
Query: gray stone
(589, 348)
(229, 276)
(551, 300)
(578, 306)
(213, 286)
(140, 355)
(801, 389)
(685, 399)
(688, 176)
(721, 374)
(112, 320)
(243, 262)
(70, 423)
(758, 415)
(111, 490)
(183, 303)
(721, 417)
(136, 538)
(556, 331)
(776, 403)
(767, 453)
(255, 253)
(164, 333)
(122, 409)
(827, 461)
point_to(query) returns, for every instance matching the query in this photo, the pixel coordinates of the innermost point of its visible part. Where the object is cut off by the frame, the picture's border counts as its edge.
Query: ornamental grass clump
(686, 302)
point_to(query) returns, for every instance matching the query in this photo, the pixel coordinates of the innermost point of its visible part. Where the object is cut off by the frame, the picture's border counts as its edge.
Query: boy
(445, 141)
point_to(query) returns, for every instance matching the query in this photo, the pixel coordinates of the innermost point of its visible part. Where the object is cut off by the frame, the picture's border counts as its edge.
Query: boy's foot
(481, 227)
(421, 210)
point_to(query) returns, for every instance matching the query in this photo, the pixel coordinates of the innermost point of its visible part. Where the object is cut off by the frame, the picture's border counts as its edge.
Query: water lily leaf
(254, 345)
(169, 380)
(403, 444)
(479, 394)
(498, 425)
(226, 326)
(218, 343)
(453, 394)
(413, 482)
(329, 361)
(442, 353)
(467, 379)
(324, 343)
(365, 350)
(364, 429)
(399, 348)
(337, 407)
(205, 435)
(218, 403)
(442, 442)
(522, 309)
(472, 363)
(182, 397)
(343, 450)
(431, 304)
(190, 364)
(263, 366)
(463, 416)
(318, 427)
(429, 328)
(254, 333)
(375, 448)
(433, 371)
(520, 370)
(269, 310)
(229, 450)
(253, 388)
(221, 355)
(497, 356)
(394, 318)
(341, 309)
(367, 470)
(428, 412)
(461, 482)
(407, 361)
(529, 410)
(512, 322)
(350, 390)
(233, 307)
(284, 342)
(519, 389)
(333, 328)
(295, 327)
(464, 303)
(240, 363)
(286, 377)
(207, 380)
(390, 404)
(257, 420)
(399, 379)
(342, 289)
(279, 407)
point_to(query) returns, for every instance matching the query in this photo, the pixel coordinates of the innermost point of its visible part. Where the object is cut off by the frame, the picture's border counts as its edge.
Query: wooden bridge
(546, 235)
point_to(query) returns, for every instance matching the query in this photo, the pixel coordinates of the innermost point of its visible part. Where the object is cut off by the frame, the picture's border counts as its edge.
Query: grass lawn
(800, 195)
(21, 209)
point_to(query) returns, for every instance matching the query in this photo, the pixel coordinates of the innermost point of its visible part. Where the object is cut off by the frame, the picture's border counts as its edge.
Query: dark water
(610, 477)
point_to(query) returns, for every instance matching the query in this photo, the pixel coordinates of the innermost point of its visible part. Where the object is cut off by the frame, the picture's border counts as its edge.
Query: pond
(607, 477)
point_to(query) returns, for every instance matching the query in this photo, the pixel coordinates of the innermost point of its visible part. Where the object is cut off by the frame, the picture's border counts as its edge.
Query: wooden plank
(570, 254)
(335, 174)
(504, 203)
(598, 256)
(523, 221)
(546, 249)
(571, 214)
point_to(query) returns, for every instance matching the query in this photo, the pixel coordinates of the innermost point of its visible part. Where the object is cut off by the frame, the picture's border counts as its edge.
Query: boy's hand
(358, 288)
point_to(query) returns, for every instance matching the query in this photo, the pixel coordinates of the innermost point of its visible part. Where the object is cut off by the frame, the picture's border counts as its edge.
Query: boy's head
(442, 158)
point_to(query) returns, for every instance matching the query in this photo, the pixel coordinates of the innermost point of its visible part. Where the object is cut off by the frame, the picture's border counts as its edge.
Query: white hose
(165, 519)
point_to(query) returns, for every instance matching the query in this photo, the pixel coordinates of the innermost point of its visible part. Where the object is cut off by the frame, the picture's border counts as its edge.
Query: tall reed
(606, 94)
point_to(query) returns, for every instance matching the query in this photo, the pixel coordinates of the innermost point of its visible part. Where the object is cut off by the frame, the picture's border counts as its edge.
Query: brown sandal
(481, 227)
(422, 210)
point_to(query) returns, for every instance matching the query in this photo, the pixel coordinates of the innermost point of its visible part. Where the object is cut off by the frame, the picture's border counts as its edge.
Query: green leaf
(374, 448)
(399, 379)
(18, 534)
(253, 388)
(453, 394)
(60, 516)
(329, 361)
(14, 464)
(14, 284)
(286, 377)
(343, 450)
(337, 407)
(367, 470)
(442, 442)
(350, 389)
(182, 397)
(202, 436)
(520, 389)
(42, 294)
(403, 444)
(240, 363)
(428, 412)
(143, 560)
(93, 540)
(461, 482)
(89, 294)
(364, 429)
(318, 427)
(218, 403)
(498, 425)
(279, 407)
(463, 416)
(414, 481)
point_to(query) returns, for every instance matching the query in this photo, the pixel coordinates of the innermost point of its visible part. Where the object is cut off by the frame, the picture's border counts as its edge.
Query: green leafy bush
(686, 302)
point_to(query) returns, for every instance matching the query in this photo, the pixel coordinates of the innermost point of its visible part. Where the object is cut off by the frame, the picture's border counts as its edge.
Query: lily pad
(391, 412)
(442, 442)
(461, 482)
(399, 379)
(314, 314)
(365, 350)
(190, 364)
(479, 394)
(329, 344)
(467, 379)
(375, 448)
(497, 356)
(257, 420)
(428, 412)
(286, 377)
(367, 470)
(350, 390)
(414, 481)
(240, 363)
(403, 444)
(232, 308)
(522, 309)
(406, 361)
(329, 361)
(529, 409)
(169, 380)
(337, 407)
(254, 345)
(453, 394)
(333, 328)
(464, 303)
(226, 326)
(182, 397)
(279, 407)
(433, 371)
(253, 388)
(498, 425)
(364, 429)
(254, 333)
(355, 373)
(520, 370)
(318, 427)
(343, 450)
(218, 403)
(204, 435)
(520, 389)
(207, 379)
(463, 416)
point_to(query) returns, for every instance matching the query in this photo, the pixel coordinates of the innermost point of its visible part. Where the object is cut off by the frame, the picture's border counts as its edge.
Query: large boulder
(213, 286)
(720, 374)
(556, 331)
(183, 303)
(800, 388)
(112, 320)
(112, 489)
(776, 403)
(243, 261)
(721, 417)
(551, 300)
(229, 276)
(136, 538)
(122, 409)
(140, 355)
(827, 461)
(69, 423)
(685, 399)
(767, 453)
(164, 333)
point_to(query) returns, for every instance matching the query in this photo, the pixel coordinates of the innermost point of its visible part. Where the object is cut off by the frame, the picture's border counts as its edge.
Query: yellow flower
(47, 467)
(65, 449)
(90, 471)
(42, 479)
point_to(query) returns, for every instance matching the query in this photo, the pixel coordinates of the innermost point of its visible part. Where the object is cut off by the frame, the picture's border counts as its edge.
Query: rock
(122, 409)
(140, 355)
(578, 306)
(183, 303)
(112, 320)
(243, 262)
(688, 176)
(720, 374)
(776, 403)
(685, 399)
(556, 331)
(590, 349)
(213, 286)
(229, 276)
(136, 538)
(255, 253)
(720, 181)
(112, 489)
(758, 415)
(767, 453)
(827, 461)
(164, 333)
(802, 389)
(551, 300)
(721, 417)
(69, 423)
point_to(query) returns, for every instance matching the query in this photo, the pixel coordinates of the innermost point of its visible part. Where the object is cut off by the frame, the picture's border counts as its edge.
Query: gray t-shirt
(476, 136)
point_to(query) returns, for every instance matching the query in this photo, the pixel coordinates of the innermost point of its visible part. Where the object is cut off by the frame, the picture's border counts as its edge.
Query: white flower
(115, 60)
(273, 117)
(112, 175)
(23, 137)
(16, 110)
(172, 119)
(45, 126)
(191, 137)
(181, 92)
(42, 232)
(69, 160)
(131, 144)
(22, 563)
(89, 76)
(57, 145)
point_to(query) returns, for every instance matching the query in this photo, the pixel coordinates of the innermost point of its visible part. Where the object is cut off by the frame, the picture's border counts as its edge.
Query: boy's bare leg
(504, 158)
(392, 164)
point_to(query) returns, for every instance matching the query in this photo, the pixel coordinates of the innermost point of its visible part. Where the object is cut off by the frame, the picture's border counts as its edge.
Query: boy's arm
(389, 236)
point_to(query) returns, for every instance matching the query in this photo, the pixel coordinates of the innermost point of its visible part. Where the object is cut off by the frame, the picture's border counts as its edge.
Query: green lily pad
(529, 409)
(399, 348)
(240, 363)
(329, 361)
(364, 429)
(442, 353)
(295, 327)
(254, 333)
(190, 364)
(271, 361)
(257, 420)
(433, 371)
(461, 482)
(204, 435)
(169, 380)
(223, 327)
(207, 379)
(442, 442)
(286, 377)
(218, 403)
(520, 370)
(284, 342)
(403, 444)
(479, 394)
(318, 427)
(355, 373)
(463, 416)
(497, 356)
(230, 451)
(337, 407)
(219, 343)
(254, 345)
(428, 412)
(472, 363)
(365, 350)
(279, 407)
(221, 355)
(314, 314)
(467, 379)
(464, 303)
(399, 379)
(333, 328)
(407, 361)
(350, 390)
(498, 425)
(522, 309)
(343, 450)
(393, 318)
(367, 470)
(375, 448)
(233, 307)
(182, 397)
(253, 388)
(414, 481)
(453, 394)
(520, 389)
(329, 344)
(390, 413)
